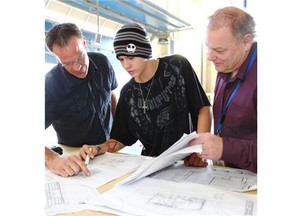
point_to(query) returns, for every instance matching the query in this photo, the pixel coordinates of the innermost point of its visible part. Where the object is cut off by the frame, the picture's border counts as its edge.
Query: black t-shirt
(174, 99)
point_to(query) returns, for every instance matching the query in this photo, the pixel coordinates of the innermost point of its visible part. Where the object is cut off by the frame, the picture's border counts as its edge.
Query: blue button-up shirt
(80, 109)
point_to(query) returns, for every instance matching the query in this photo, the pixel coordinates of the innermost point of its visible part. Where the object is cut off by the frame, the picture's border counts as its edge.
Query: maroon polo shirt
(239, 131)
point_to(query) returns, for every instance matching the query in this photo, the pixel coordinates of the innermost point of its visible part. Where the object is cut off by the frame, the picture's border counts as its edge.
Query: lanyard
(223, 113)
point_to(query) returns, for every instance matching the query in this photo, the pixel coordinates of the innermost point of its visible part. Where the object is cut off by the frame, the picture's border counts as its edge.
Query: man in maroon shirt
(232, 49)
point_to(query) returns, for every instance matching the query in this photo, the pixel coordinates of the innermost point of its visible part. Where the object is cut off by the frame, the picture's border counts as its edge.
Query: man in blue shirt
(79, 102)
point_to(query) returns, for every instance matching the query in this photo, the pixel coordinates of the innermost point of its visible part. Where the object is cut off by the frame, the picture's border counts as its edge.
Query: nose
(211, 55)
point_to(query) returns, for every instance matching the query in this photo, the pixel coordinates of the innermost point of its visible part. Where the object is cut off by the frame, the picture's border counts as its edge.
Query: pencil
(87, 159)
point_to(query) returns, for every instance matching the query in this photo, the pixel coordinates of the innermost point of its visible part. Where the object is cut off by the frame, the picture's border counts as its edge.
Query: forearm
(204, 120)
(113, 103)
(110, 145)
(49, 156)
(113, 145)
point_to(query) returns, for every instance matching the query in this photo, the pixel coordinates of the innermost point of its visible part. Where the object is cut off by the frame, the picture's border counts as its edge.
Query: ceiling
(106, 16)
(159, 17)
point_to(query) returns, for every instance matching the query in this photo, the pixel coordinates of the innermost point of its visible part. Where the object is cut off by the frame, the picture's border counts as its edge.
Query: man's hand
(195, 160)
(68, 165)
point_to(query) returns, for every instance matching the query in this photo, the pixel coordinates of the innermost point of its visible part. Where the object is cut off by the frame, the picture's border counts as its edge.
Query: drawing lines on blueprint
(177, 201)
(112, 162)
(54, 194)
(248, 208)
(109, 160)
(219, 177)
(82, 177)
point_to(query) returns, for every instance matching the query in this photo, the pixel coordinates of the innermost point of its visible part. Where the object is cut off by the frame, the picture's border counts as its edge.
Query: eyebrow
(71, 62)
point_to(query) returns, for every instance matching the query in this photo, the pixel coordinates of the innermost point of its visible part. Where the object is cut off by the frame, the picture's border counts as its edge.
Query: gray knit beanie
(132, 40)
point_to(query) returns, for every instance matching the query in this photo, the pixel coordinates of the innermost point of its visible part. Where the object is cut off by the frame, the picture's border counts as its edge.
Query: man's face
(224, 50)
(73, 57)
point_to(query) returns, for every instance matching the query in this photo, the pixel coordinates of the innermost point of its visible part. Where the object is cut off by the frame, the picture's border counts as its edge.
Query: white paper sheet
(149, 196)
(63, 197)
(104, 168)
(220, 177)
(177, 151)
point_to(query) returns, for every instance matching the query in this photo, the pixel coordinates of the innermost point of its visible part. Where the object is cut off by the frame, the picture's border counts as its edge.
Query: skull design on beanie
(132, 40)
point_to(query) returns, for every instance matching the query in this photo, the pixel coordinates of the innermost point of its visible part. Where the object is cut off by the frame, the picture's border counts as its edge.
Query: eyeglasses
(72, 63)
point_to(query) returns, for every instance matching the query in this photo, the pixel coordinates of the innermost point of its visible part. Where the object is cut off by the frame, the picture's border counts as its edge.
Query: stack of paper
(176, 152)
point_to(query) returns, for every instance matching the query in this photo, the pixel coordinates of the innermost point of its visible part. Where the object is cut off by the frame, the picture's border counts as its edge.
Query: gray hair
(240, 22)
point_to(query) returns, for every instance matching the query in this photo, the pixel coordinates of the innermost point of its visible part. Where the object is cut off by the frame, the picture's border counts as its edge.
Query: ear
(247, 41)
(84, 42)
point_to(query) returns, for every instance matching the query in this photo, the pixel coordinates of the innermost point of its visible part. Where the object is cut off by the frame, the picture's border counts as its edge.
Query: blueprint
(63, 197)
(104, 168)
(69, 194)
(151, 197)
(176, 152)
(220, 177)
